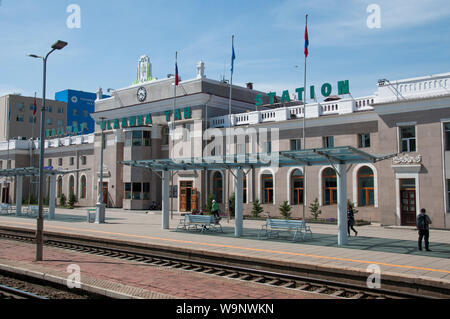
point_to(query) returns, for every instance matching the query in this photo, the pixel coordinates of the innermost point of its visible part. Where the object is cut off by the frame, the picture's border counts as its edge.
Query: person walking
(351, 220)
(423, 222)
(215, 209)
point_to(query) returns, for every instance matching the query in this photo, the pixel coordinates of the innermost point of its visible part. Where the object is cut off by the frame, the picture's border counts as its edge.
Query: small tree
(233, 200)
(72, 200)
(314, 209)
(257, 209)
(285, 210)
(62, 200)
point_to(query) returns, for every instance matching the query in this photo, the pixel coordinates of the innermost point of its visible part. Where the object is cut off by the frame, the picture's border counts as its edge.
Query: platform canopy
(34, 171)
(309, 157)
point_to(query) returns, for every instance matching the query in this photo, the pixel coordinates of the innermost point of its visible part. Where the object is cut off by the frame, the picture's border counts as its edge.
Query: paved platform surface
(394, 250)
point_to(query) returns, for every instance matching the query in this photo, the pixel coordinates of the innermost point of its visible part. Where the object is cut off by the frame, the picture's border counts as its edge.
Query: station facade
(409, 118)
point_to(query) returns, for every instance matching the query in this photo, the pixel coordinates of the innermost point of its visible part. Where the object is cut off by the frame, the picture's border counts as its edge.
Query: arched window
(217, 186)
(60, 187)
(329, 186)
(365, 187)
(297, 187)
(71, 185)
(267, 188)
(83, 186)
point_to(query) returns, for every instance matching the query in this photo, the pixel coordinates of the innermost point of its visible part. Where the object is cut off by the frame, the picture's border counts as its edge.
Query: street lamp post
(100, 211)
(40, 220)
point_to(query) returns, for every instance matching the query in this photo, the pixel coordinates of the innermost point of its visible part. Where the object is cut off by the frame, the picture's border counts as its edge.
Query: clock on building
(141, 94)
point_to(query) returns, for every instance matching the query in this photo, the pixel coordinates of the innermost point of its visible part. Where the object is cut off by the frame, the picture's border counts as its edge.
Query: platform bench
(33, 211)
(5, 208)
(206, 222)
(272, 227)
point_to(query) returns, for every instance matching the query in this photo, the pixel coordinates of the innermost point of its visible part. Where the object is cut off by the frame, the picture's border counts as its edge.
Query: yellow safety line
(241, 248)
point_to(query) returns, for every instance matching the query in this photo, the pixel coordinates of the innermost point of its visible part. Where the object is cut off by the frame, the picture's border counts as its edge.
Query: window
(49, 162)
(447, 136)
(267, 147)
(244, 190)
(328, 141)
(50, 109)
(408, 139)
(186, 132)
(364, 140)
(1, 164)
(19, 118)
(32, 119)
(217, 186)
(127, 190)
(365, 187)
(60, 161)
(49, 121)
(165, 137)
(60, 123)
(60, 110)
(85, 113)
(128, 136)
(20, 106)
(297, 187)
(60, 187)
(146, 188)
(137, 138)
(83, 187)
(147, 138)
(296, 145)
(329, 186)
(71, 161)
(137, 187)
(71, 185)
(75, 112)
(267, 185)
(83, 160)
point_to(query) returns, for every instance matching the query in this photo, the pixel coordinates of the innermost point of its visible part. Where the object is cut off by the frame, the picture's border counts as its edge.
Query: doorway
(408, 200)
(188, 196)
(105, 193)
(5, 195)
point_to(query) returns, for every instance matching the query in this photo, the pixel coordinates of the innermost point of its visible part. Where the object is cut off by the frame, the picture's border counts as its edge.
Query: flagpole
(227, 206)
(304, 123)
(173, 132)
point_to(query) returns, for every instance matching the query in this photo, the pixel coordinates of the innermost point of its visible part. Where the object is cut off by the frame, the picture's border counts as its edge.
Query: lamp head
(59, 45)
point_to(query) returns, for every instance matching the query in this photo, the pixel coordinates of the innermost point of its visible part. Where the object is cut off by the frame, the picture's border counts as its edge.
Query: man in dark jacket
(423, 222)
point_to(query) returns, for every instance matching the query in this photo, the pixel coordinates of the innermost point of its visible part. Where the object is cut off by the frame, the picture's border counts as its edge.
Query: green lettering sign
(109, 125)
(326, 89)
(167, 115)
(300, 93)
(259, 101)
(139, 120)
(124, 123)
(177, 115)
(311, 92)
(285, 98)
(148, 119)
(187, 113)
(271, 96)
(132, 121)
(343, 87)
(102, 125)
(116, 124)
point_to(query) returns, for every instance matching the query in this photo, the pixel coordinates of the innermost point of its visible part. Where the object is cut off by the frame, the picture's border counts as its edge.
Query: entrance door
(194, 199)
(185, 196)
(5, 195)
(408, 202)
(105, 193)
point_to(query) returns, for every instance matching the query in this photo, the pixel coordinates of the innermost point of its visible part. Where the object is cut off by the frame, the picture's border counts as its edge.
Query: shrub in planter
(285, 210)
(257, 208)
(62, 200)
(314, 209)
(72, 200)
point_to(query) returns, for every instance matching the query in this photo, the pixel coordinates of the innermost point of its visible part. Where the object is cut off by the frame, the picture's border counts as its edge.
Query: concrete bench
(274, 226)
(206, 222)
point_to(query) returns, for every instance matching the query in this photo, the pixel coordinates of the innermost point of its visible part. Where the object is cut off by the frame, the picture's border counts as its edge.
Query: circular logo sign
(141, 94)
(74, 99)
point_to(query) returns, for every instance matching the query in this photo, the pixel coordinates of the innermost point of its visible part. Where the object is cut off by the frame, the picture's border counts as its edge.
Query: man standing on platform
(423, 222)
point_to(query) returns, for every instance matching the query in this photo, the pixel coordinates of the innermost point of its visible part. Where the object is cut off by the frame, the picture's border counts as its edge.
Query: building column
(342, 204)
(52, 197)
(165, 199)
(19, 184)
(238, 213)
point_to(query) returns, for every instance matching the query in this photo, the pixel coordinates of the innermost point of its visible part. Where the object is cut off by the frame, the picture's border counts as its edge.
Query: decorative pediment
(407, 159)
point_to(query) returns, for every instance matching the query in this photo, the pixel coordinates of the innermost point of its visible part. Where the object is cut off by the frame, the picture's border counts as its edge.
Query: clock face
(141, 94)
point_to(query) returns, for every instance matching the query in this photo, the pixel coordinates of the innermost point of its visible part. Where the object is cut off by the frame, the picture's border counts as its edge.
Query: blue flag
(233, 57)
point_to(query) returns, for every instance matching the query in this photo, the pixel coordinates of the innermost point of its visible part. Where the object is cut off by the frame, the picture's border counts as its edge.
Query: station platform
(392, 249)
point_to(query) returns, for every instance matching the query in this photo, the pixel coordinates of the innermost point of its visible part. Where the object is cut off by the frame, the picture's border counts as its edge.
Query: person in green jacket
(215, 209)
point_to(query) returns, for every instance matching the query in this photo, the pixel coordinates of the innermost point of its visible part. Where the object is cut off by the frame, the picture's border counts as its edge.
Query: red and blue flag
(306, 41)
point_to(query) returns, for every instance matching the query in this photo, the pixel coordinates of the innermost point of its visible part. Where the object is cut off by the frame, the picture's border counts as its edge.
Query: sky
(411, 38)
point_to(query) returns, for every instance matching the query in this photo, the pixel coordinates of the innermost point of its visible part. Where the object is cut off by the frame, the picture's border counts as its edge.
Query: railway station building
(408, 119)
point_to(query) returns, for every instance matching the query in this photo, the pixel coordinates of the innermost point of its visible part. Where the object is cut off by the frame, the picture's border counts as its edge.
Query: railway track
(7, 292)
(231, 267)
